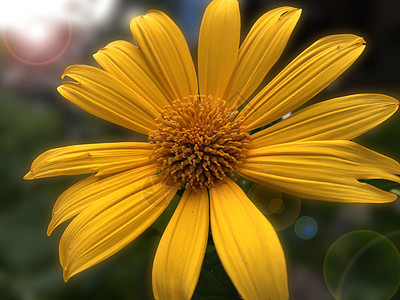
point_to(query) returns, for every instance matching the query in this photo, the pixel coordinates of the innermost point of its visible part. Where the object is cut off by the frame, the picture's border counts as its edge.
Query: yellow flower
(198, 139)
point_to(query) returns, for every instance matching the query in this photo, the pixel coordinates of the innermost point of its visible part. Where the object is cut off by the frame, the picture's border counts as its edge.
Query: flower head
(197, 140)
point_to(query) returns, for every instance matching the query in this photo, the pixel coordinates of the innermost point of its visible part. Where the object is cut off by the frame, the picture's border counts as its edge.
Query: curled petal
(127, 63)
(106, 97)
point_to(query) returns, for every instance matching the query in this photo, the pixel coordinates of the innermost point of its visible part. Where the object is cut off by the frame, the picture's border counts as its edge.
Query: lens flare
(281, 209)
(362, 264)
(306, 228)
(38, 42)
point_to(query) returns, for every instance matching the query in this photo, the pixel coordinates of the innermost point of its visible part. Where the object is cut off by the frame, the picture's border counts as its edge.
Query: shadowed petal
(182, 247)
(247, 244)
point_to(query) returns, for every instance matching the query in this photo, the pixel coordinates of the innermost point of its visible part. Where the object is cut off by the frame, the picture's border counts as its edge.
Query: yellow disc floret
(199, 141)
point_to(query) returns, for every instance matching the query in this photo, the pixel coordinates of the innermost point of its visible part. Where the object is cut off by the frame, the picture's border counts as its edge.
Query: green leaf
(214, 283)
(161, 223)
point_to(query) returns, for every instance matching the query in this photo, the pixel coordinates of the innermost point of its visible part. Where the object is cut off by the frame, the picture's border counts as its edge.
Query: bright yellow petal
(103, 158)
(86, 192)
(180, 254)
(127, 63)
(322, 170)
(167, 53)
(218, 46)
(341, 118)
(303, 78)
(247, 244)
(259, 52)
(106, 97)
(111, 223)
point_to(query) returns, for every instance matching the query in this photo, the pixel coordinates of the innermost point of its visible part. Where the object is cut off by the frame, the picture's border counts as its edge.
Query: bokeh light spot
(39, 41)
(362, 264)
(306, 227)
(281, 209)
(276, 206)
(37, 32)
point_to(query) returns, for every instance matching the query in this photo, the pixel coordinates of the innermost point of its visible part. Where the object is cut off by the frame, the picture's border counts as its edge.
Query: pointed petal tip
(296, 12)
(391, 198)
(135, 19)
(60, 88)
(354, 40)
(394, 106)
(50, 227)
(292, 11)
(29, 176)
(394, 102)
(66, 71)
(66, 276)
(154, 11)
(346, 38)
(359, 40)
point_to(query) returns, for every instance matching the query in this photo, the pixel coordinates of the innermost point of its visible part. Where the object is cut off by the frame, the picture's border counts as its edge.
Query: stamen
(199, 141)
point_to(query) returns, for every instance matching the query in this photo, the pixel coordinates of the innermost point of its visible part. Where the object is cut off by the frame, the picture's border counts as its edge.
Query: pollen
(199, 141)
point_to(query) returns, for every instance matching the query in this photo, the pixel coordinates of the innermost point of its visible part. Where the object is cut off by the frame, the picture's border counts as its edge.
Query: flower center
(199, 141)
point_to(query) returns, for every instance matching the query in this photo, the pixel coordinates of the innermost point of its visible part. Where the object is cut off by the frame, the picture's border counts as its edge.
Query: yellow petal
(111, 223)
(84, 193)
(303, 78)
(103, 158)
(341, 118)
(247, 244)
(322, 170)
(167, 53)
(106, 97)
(180, 254)
(126, 62)
(259, 52)
(218, 46)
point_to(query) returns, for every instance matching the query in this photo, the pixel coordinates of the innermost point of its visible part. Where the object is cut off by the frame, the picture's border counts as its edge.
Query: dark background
(34, 118)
